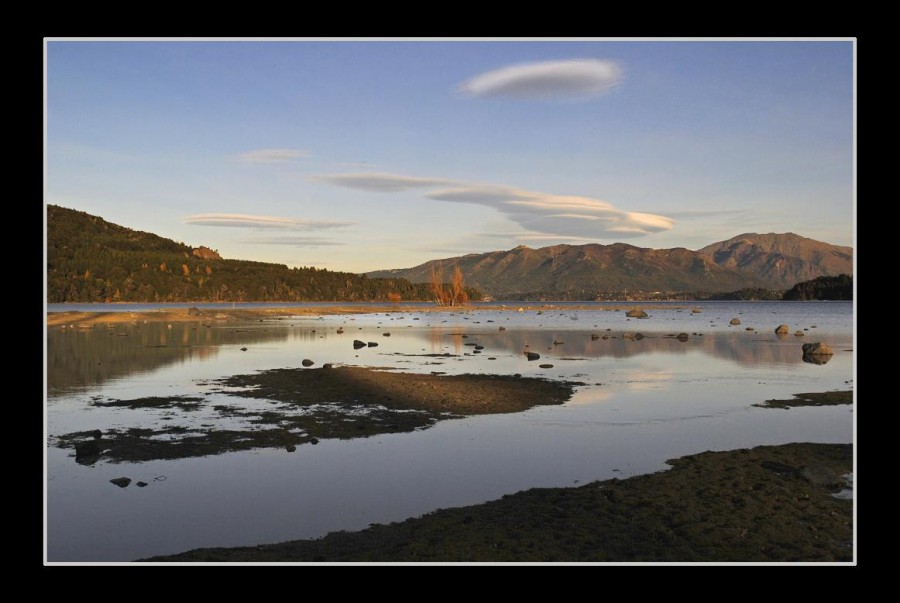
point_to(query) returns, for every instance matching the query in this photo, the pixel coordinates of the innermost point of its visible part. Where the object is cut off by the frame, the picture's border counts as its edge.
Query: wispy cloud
(380, 182)
(570, 79)
(263, 222)
(545, 213)
(272, 156)
(298, 241)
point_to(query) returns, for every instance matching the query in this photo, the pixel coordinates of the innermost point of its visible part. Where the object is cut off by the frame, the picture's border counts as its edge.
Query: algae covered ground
(765, 504)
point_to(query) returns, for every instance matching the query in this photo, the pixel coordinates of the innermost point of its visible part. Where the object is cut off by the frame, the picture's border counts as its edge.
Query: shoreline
(81, 318)
(767, 504)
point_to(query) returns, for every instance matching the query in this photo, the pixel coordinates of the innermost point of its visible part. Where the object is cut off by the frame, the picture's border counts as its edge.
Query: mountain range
(594, 271)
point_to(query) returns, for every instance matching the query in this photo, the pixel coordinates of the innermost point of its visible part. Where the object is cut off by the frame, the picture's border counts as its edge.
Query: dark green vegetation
(312, 404)
(92, 260)
(813, 399)
(752, 293)
(771, 262)
(825, 287)
(768, 504)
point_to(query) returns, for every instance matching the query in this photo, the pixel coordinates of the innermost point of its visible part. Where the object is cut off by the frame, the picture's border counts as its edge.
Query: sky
(362, 155)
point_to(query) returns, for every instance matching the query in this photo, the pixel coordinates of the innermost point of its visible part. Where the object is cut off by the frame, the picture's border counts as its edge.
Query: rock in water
(594, 337)
(682, 337)
(532, 355)
(358, 344)
(307, 362)
(545, 366)
(121, 482)
(735, 321)
(783, 330)
(636, 313)
(638, 336)
(799, 334)
(817, 349)
(372, 344)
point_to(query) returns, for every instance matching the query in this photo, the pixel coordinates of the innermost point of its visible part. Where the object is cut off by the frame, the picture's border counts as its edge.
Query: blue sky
(361, 155)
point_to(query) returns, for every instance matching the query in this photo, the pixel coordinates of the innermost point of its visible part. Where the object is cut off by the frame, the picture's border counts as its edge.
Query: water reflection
(90, 356)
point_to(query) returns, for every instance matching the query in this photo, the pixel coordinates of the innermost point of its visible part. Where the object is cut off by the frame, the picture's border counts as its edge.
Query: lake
(643, 400)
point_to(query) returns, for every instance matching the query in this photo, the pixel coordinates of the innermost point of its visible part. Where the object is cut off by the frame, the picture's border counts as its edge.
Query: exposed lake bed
(627, 405)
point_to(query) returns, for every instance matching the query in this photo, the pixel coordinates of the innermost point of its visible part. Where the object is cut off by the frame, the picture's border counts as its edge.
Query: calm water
(645, 401)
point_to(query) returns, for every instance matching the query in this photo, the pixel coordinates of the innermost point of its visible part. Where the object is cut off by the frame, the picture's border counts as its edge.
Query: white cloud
(272, 156)
(570, 79)
(251, 221)
(379, 182)
(545, 213)
(562, 215)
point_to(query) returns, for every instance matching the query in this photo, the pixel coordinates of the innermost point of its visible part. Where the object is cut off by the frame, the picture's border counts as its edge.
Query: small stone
(307, 362)
(121, 482)
(502, 328)
(358, 344)
(97, 434)
(594, 337)
(638, 336)
(682, 337)
(532, 355)
(372, 344)
(735, 321)
(636, 313)
(243, 349)
(385, 334)
(141, 484)
(557, 342)
(290, 448)
(313, 441)
(783, 330)
(799, 334)
(327, 365)
(546, 366)
(340, 330)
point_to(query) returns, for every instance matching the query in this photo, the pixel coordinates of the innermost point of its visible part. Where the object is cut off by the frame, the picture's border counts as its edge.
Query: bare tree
(457, 288)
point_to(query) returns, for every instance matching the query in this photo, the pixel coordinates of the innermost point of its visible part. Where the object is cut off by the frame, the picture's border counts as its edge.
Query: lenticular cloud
(571, 79)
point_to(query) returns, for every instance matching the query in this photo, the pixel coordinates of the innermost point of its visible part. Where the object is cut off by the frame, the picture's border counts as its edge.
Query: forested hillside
(92, 260)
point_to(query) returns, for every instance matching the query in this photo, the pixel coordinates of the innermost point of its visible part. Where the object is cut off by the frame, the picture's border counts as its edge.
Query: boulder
(682, 337)
(734, 321)
(372, 344)
(385, 334)
(532, 355)
(121, 482)
(546, 366)
(817, 349)
(636, 313)
(638, 336)
(358, 344)
(307, 362)
(783, 330)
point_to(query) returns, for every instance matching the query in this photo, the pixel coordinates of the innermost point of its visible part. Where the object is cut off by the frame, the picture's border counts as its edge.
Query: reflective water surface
(647, 397)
